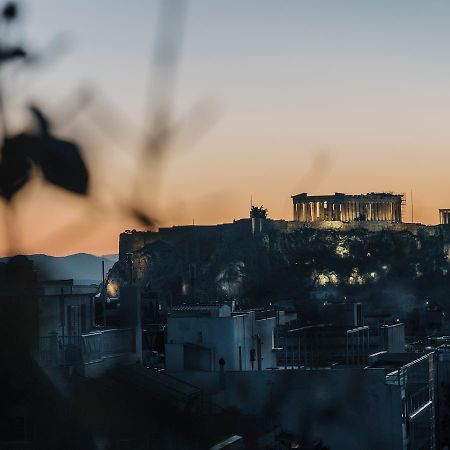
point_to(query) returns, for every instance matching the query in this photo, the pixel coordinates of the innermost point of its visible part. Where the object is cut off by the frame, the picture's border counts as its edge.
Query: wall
(351, 409)
(53, 316)
(224, 336)
(393, 338)
(264, 327)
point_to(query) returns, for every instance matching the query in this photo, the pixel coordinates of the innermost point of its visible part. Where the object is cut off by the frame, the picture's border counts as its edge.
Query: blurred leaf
(62, 164)
(60, 161)
(6, 54)
(143, 218)
(10, 11)
(15, 166)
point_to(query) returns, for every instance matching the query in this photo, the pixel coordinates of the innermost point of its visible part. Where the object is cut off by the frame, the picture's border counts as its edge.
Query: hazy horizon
(316, 97)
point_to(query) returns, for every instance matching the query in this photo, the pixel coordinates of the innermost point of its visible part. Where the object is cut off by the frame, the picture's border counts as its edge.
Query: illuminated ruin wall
(373, 207)
(444, 216)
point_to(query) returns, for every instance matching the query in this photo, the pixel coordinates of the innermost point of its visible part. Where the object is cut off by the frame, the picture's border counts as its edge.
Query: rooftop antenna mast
(103, 293)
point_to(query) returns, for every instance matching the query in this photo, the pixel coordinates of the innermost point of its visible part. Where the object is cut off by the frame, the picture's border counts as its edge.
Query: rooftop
(343, 196)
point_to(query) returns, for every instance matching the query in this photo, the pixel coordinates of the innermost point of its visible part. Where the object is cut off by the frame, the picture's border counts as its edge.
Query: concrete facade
(65, 309)
(351, 409)
(390, 406)
(393, 338)
(200, 338)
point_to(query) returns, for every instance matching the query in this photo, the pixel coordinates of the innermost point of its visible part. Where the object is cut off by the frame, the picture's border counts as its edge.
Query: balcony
(54, 351)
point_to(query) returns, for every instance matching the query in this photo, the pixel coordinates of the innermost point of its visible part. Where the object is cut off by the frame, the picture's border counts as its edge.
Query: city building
(324, 345)
(212, 338)
(54, 321)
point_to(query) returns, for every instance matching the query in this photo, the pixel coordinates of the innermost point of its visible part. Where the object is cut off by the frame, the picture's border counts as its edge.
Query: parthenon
(375, 206)
(444, 216)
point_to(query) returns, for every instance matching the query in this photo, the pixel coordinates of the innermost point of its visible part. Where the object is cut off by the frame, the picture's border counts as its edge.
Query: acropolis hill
(363, 256)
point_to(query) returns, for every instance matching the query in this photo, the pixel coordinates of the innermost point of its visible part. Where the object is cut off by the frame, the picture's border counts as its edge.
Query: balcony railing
(56, 350)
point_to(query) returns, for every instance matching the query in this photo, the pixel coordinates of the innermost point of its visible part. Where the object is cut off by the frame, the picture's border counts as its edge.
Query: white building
(207, 338)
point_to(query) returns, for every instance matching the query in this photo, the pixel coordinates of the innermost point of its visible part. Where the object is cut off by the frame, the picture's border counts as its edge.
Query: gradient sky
(310, 96)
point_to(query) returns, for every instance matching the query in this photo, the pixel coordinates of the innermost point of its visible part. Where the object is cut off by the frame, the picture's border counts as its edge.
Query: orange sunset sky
(301, 96)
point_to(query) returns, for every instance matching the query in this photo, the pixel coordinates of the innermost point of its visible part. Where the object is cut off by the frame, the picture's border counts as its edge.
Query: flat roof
(343, 196)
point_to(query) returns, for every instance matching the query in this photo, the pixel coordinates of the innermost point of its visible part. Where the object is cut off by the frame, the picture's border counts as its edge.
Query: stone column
(321, 211)
(332, 208)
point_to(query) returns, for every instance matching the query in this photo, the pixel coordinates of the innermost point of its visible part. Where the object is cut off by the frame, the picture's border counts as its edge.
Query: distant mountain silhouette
(83, 268)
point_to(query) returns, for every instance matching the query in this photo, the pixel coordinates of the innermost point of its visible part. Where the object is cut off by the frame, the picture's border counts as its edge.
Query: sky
(295, 96)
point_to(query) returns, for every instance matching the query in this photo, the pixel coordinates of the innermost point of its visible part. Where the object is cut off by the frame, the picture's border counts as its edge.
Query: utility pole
(103, 294)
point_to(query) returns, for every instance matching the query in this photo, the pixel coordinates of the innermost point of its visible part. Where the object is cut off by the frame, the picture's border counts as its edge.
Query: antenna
(251, 201)
(412, 207)
(103, 295)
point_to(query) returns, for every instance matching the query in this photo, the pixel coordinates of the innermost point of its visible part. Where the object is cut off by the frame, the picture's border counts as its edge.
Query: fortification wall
(375, 227)
(132, 241)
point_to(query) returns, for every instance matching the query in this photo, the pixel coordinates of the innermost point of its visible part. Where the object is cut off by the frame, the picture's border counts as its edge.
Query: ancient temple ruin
(444, 216)
(346, 208)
